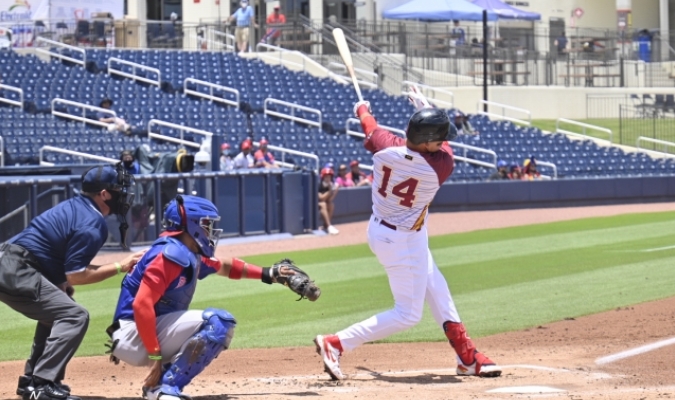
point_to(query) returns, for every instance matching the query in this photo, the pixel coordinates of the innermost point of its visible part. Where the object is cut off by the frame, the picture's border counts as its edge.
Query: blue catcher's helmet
(196, 216)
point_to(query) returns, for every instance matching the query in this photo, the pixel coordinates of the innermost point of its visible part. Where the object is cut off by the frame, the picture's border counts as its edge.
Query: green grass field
(613, 124)
(626, 133)
(501, 279)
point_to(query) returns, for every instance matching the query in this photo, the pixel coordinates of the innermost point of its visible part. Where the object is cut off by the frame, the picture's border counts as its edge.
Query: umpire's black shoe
(41, 389)
(26, 380)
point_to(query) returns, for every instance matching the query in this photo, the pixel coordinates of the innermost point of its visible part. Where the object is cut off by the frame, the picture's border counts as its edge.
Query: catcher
(152, 325)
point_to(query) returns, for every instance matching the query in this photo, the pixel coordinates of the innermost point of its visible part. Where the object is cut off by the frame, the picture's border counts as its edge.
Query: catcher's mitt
(287, 274)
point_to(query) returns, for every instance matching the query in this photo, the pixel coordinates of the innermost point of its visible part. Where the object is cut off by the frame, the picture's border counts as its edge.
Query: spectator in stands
(357, 176)
(226, 161)
(344, 179)
(458, 34)
(561, 44)
(263, 158)
(127, 158)
(502, 173)
(463, 125)
(530, 171)
(515, 173)
(274, 22)
(114, 124)
(245, 158)
(244, 17)
(327, 192)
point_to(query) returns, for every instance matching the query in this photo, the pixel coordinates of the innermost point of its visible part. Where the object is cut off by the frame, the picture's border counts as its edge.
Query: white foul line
(658, 249)
(634, 352)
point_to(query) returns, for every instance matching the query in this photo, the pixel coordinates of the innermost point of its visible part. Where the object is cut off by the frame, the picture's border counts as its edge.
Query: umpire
(40, 265)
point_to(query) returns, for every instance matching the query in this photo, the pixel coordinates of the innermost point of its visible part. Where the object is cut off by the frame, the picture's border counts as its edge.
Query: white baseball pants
(173, 330)
(413, 278)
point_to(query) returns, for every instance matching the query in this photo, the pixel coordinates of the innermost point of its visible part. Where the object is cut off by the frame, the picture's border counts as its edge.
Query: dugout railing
(251, 202)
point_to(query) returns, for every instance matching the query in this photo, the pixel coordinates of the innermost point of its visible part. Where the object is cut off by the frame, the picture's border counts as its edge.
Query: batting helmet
(430, 125)
(196, 216)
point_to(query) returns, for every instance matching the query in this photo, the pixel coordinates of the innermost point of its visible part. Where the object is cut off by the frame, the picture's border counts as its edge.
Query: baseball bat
(346, 55)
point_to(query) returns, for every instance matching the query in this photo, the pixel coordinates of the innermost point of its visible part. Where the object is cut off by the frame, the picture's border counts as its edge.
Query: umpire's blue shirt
(65, 238)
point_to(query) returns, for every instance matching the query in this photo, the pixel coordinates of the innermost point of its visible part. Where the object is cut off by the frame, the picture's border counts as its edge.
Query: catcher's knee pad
(463, 345)
(214, 336)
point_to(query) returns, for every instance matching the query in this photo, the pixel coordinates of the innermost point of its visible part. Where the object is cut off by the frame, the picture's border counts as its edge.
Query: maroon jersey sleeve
(442, 162)
(376, 138)
(381, 139)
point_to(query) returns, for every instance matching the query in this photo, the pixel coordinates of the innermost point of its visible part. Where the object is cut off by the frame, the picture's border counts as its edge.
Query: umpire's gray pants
(62, 323)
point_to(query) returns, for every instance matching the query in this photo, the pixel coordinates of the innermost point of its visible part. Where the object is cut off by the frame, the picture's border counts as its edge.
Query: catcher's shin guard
(469, 360)
(215, 336)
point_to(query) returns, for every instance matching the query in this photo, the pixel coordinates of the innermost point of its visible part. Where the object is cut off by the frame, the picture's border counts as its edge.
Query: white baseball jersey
(405, 181)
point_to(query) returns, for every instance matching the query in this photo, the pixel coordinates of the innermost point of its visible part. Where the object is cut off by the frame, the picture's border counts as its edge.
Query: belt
(391, 226)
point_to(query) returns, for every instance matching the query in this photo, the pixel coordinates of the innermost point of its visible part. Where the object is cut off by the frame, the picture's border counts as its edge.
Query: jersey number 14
(404, 190)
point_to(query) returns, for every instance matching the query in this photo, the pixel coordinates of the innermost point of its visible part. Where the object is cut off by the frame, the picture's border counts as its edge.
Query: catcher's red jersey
(405, 181)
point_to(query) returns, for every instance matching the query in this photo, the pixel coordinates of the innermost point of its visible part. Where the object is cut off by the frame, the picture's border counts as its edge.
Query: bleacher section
(24, 133)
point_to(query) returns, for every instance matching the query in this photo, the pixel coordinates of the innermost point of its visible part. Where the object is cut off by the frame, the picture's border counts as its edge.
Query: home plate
(526, 389)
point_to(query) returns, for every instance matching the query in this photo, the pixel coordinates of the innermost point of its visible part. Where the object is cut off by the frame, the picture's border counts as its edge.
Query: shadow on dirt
(420, 379)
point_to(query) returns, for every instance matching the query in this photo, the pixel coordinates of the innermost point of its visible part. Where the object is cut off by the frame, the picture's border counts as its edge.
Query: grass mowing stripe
(530, 304)
(355, 287)
(531, 267)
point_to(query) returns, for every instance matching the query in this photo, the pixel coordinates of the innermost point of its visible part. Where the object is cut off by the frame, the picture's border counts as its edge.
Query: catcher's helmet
(196, 216)
(430, 125)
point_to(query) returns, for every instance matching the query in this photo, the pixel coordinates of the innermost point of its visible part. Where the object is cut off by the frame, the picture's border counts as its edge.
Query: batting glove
(417, 99)
(359, 104)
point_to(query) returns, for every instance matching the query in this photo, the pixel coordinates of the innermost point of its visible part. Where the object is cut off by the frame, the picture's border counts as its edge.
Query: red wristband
(242, 269)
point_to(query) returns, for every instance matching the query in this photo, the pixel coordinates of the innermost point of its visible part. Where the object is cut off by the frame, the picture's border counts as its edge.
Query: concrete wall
(206, 10)
(646, 14)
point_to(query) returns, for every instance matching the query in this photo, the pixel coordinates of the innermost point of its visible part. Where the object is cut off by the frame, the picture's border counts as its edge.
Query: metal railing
(212, 87)
(503, 116)
(465, 148)
(12, 89)
(134, 67)
(180, 128)
(663, 143)
(285, 151)
(44, 163)
(583, 126)
(550, 165)
(84, 108)
(292, 116)
(373, 76)
(60, 45)
(305, 60)
(351, 132)
(21, 210)
(228, 42)
(2, 152)
(431, 89)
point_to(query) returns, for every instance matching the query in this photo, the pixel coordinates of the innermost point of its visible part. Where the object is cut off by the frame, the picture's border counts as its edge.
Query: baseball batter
(407, 174)
(152, 325)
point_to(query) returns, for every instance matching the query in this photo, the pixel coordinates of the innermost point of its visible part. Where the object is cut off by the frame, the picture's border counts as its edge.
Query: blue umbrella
(505, 11)
(438, 10)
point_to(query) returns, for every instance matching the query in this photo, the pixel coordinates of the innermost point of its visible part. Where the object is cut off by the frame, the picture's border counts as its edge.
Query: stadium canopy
(505, 11)
(438, 10)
